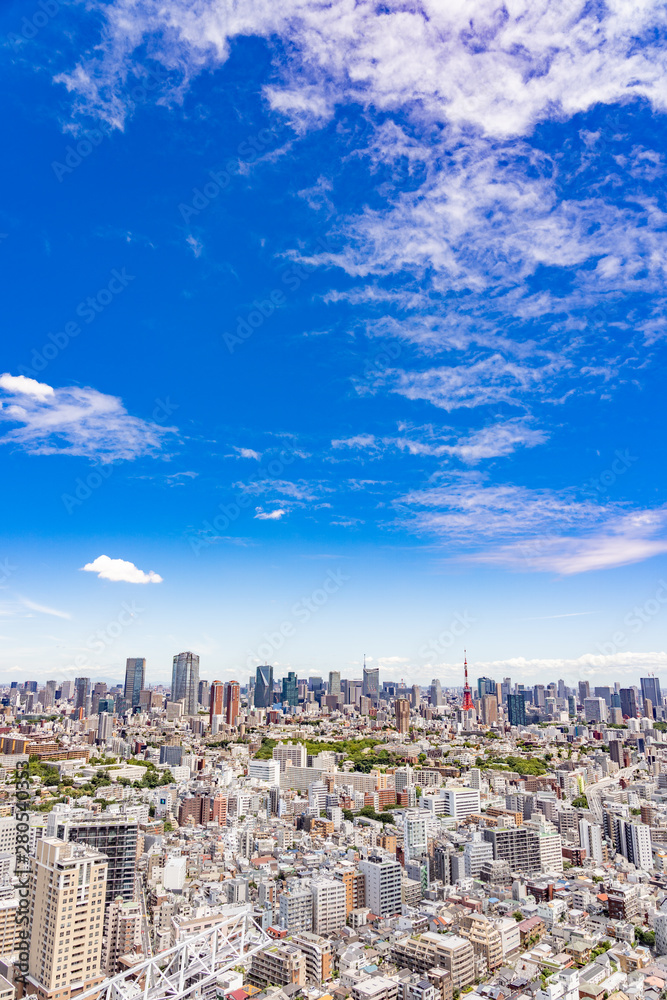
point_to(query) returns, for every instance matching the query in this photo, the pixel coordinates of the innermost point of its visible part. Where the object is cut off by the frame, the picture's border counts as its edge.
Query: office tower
(505, 688)
(415, 697)
(50, 694)
(185, 681)
(114, 835)
(171, 755)
(516, 709)
(135, 679)
(203, 693)
(571, 705)
(216, 700)
(371, 683)
(489, 709)
(382, 885)
(67, 918)
(402, 709)
(590, 838)
(104, 727)
(651, 690)
(647, 709)
(81, 689)
(485, 685)
(31, 686)
(106, 705)
(460, 801)
(99, 691)
(629, 703)
(232, 702)
(122, 934)
(334, 682)
(329, 911)
(415, 833)
(595, 710)
(436, 693)
(66, 690)
(264, 687)
(316, 685)
(604, 692)
(539, 695)
(584, 691)
(291, 689)
(562, 693)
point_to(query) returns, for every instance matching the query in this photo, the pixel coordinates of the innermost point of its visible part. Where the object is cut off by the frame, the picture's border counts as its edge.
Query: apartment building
(319, 957)
(453, 953)
(69, 884)
(382, 885)
(278, 965)
(113, 834)
(296, 910)
(329, 905)
(122, 933)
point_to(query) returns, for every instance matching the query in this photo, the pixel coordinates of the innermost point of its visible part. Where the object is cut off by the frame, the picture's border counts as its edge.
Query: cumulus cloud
(120, 571)
(74, 421)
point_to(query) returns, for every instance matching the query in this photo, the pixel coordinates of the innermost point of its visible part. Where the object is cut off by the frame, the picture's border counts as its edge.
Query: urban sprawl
(332, 838)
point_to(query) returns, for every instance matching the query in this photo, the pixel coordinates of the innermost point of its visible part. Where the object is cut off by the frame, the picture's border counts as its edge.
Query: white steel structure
(189, 968)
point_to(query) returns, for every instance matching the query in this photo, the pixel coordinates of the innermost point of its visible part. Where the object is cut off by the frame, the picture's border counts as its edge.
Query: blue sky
(330, 329)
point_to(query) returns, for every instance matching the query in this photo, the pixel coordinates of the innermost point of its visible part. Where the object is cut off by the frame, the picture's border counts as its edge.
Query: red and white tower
(468, 704)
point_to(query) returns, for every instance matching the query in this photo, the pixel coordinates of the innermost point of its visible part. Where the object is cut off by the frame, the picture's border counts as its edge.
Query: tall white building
(382, 879)
(595, 709)
(296, 910)
(265, 770)
(660, 927)
(475, 853)
(635, 843)
(294, 752)
(590, 838)
(415, 835)
(329, 910)
(548, 842)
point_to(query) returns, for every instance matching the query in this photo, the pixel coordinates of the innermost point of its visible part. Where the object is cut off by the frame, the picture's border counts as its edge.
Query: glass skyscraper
(135, 677)
(185, 681)
(264, 687)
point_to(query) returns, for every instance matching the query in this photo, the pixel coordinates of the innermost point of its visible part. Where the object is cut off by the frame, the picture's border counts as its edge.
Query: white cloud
(120, 571)
(21, 385)
(269, 515)
(43, 609)
(589, 666)
(535, 530)
(74, 421)
(246, 453)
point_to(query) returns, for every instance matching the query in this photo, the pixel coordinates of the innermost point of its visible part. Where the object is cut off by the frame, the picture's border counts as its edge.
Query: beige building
(449, 951)
(484, 938)
(67, 918)
(9, 929)
(278, 965)
(122, 931)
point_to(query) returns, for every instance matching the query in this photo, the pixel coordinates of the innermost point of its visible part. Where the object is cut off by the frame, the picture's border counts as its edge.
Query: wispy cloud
(74, 421)
(269, 515)
(43, 609)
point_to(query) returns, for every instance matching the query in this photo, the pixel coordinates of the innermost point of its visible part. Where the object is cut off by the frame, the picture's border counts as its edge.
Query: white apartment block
(264, 770)
(329, 905)
(382, 878)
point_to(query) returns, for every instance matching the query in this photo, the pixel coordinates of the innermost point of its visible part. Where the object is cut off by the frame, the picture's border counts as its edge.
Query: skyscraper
(264, 687)
(67, 911)
(584, 691)
(651, 690)
(185, 681)
(371, 683)
(135, 678)
(81, 689)
(415, 696)
(629, 703)
(485, 685)
(216, 700)
(402, 709)
(291, 689)
(436, 693)
(516, 709)
(334, 682)
(232, 702)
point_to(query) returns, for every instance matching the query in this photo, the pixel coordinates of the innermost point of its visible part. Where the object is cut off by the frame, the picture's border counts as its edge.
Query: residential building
(319, 956)
(382, 885)
(122, 933)
(329, 905)
(296, 910)
(114, 835)
(280, 964)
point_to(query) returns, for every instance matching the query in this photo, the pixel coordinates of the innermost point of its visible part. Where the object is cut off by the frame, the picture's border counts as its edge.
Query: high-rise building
(264, 687)
(81, 691)
(489, 709)
(402, 709)
(104, 727)
(516, 709)
(67, 918)
(415, 696)
(595, 710)
(135, 679)
(382, 882)
(296, 910)
(334, 682)
(50, 694)
(634, 843)
(291, 689)
(216, 700)
(185, 681)
(232, 702)
(584, 691)
(485, 685)
(329, 911)
(415, 833)
(629, 703)
(436, 693)
(371, 683)
(616, 751)
(122, 933)
(114, 835)
(651, 690)
(590, 838)
(204, 693)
